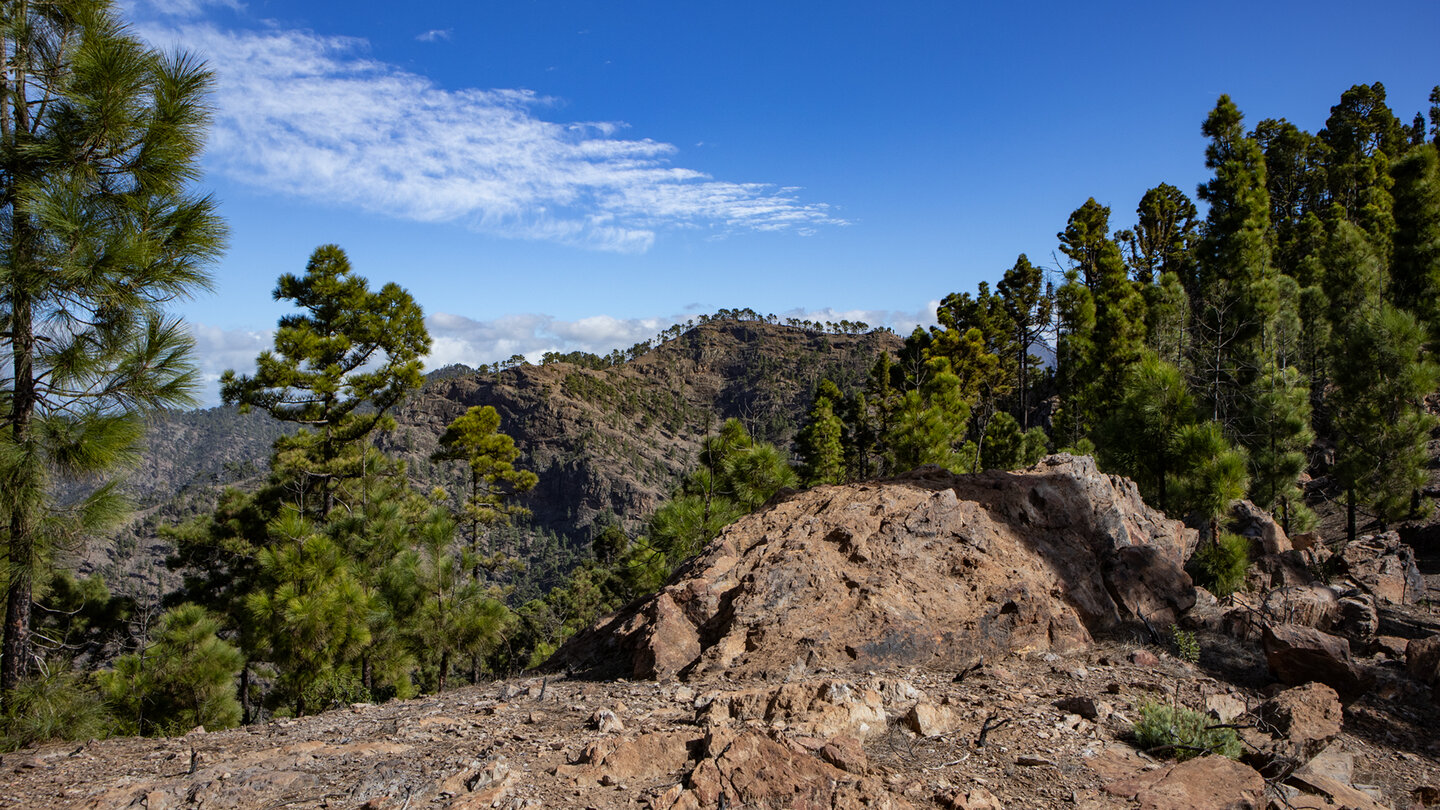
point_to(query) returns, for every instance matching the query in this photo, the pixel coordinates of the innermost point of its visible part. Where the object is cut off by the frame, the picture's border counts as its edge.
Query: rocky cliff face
(930, 569)
(617, 440)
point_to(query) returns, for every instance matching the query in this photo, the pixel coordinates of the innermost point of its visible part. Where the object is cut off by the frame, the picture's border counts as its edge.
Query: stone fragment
(976, 798)
(1341, 794)
(668, 643)
(1392, 647)
(846, 753)
(1211, 781)
(746, 769)
(1308, 717)
(645, 758)
(1144, 658)
(1224, 707)
(1385, 567)
(605, 721)
(1081, 705)
(1255, 523)
(1422, 659)
(1358, 620)
(929, 720)
(1298, 655)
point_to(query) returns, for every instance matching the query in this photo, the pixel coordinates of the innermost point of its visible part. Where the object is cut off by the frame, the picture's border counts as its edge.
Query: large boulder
(1249, 520)
(1304, 718)
(928, 569)
(1298, 655)
(1384, 566)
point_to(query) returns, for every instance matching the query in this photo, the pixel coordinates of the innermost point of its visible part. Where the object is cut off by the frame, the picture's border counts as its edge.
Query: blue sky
(579, 175)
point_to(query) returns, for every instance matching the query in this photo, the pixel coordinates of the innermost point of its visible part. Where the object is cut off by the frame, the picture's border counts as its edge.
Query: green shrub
(1187, 647)
(186, 678)
(60, 706)
(1220, 567)
(1182, 733)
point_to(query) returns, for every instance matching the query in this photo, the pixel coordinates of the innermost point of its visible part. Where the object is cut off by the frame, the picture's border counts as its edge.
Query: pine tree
(337, 369)
(1415, 268)
(930, 424)
(1237, 295)
(1140, 436)
(1164, 235)
(819, 445)
(1295, 182)
(186, 678)
(1029, 304)
(1116, 339)
(100, 138)
(1074, 355)
(1363, 136)
(1279, 432)
(453, 614)
(1382, 375)
(736, 475)
(312, 614)
(475, 438)
(1212, 474)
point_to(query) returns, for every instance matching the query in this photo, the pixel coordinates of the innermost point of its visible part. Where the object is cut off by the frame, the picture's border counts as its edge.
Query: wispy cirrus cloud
(313, 116)
(434, 35)
(180, 8)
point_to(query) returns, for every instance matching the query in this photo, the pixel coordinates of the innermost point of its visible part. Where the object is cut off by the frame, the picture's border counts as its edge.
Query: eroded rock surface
(930, 570)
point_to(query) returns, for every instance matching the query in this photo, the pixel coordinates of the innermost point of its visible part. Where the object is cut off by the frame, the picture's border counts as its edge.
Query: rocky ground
(1023, 731)
(936, 641)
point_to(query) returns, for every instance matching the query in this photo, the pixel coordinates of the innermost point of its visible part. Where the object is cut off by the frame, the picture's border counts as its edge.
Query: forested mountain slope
(609, 441)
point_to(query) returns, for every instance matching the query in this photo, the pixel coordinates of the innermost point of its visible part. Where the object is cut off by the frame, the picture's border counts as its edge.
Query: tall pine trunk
(21, 546)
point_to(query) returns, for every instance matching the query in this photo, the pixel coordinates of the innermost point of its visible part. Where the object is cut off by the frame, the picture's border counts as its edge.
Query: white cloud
(312, 116)
(217, 350)
(435, 35)
(180, 8)
(458, 339)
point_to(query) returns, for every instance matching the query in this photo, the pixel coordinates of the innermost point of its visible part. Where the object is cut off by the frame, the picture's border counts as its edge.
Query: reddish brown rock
(746, 769)
(1209, 782)
(820, 709)
(644, 758)
(667, 640)
(977, 798)
(1298, 655)
(1249, 520)
(1340, 794)
(1385, 567)
(846, 753)
(929, 569)
(1422, 659)
(1307, 717)
(929, 720)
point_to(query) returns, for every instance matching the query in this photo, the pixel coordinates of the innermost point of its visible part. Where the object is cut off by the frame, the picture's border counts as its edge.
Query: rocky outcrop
(1384, 567)
(930, 569)
(1298, 655)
